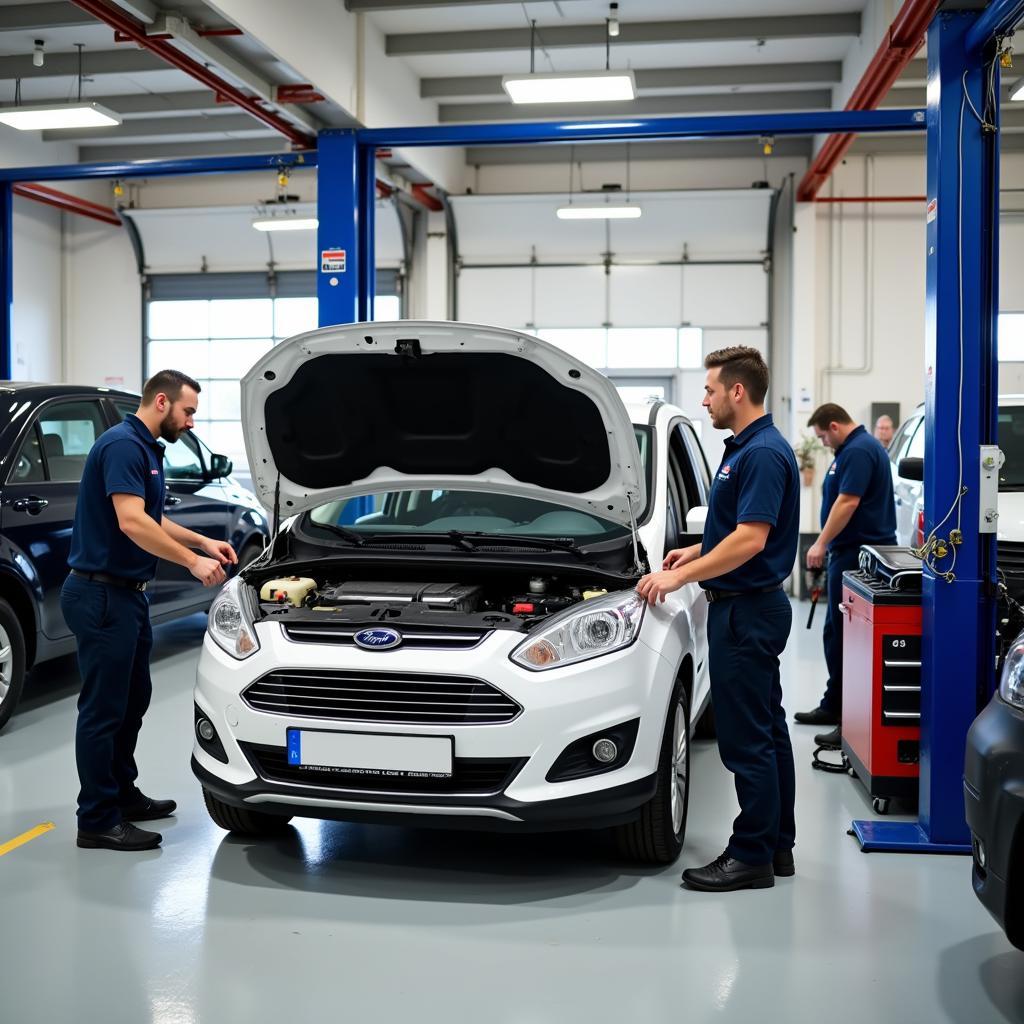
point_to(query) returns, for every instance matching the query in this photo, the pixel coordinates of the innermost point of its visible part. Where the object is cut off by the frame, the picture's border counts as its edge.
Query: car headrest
(53, 445)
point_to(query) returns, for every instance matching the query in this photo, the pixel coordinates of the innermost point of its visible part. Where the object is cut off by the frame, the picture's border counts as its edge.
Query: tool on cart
(816, 588)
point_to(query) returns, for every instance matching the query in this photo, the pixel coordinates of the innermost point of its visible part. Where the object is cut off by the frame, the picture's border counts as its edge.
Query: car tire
(706, 728)
(251, 550)
(656, 835)
(12, 661)
(244, 822)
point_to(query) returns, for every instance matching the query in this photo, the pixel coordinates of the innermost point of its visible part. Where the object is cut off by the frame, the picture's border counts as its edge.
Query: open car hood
(362, 408)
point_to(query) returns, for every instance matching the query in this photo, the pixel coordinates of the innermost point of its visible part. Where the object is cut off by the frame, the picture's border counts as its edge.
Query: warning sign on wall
(332, 261)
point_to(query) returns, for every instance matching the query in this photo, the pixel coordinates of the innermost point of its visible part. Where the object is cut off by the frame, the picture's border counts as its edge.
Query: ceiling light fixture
(600, 211)
(572, 86)
(52, 116)
(613, 19)
(283, 222)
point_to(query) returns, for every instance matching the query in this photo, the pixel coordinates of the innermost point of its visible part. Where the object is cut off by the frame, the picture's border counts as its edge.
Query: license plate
(382, 755)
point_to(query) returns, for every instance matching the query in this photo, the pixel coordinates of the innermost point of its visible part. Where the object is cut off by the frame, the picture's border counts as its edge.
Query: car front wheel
(12, 661)
(244, 822)
(656, 836)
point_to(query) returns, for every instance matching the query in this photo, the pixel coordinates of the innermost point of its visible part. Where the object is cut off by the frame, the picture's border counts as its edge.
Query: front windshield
(441, 511)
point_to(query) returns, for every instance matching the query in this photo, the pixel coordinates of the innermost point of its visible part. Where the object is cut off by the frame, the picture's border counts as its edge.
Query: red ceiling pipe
(67, 202)
(135, 30)
(869, 199)
(424, 198)
(906, 34)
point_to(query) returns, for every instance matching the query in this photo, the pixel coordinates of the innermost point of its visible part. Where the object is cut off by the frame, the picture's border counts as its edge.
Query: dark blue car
(46, 431)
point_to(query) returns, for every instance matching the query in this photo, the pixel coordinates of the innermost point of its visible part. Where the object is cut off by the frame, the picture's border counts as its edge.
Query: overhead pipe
(904, 39)
(66, 202)
(135, 30)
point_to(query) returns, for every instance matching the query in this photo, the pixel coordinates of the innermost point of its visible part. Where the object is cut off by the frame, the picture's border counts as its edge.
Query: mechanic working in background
(119, 534)
(884, 429)
(857, 507)
(748, 550)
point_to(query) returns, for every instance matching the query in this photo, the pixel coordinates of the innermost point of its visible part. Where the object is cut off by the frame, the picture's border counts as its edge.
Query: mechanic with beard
(748, 549)
(119, 534)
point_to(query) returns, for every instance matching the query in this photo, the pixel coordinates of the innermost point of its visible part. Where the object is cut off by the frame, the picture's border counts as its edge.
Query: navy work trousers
(111, 625)
(746, 635)
(840, 560)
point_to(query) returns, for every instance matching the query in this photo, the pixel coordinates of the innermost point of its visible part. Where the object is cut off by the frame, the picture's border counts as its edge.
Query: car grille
(381, 697)
(470, 775)
(418, 639)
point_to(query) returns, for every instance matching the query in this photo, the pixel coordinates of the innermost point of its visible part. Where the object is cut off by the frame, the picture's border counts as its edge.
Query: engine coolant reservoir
(287, 590)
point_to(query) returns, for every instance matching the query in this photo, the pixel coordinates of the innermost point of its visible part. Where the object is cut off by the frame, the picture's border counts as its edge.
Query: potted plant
(806, 451)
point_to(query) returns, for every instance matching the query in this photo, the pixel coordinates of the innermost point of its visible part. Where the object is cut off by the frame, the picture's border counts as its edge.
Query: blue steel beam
(999, 18)
(961, 385)
(366, 189)
(648, 128)
(341, 291)
(161, 168)
(6, 279)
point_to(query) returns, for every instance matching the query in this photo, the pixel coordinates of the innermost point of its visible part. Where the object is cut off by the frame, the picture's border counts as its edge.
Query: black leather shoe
(830, 740)
(124, 836)
(819, 716)
(725, 874)
(148, 809)
(782, 864)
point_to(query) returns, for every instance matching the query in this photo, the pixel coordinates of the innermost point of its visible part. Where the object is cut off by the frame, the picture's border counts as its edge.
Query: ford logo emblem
(378, 639)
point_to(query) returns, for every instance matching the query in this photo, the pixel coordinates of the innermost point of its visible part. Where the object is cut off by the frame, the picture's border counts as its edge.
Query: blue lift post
(6, 278)
(961, 388)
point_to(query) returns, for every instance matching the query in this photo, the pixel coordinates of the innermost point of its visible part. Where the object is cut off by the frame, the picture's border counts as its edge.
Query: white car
(445, 631)
(908, 490)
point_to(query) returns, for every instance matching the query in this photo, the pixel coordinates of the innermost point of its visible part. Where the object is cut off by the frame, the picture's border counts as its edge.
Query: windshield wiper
(350, 535)
(549, 543)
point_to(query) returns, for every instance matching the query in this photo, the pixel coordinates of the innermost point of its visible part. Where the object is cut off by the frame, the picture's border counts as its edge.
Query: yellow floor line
(27, 837)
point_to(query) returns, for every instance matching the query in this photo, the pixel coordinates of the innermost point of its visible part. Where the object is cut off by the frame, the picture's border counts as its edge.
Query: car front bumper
(558, 707)
(994, 805)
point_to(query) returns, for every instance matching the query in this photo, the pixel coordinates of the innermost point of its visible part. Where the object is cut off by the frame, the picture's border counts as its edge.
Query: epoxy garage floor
(339, 922)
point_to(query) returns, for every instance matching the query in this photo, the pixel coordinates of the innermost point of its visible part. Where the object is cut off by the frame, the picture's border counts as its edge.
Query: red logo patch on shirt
(725, 470)
(154, 472)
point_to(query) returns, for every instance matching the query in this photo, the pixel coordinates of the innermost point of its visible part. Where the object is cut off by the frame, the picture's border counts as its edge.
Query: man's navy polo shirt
(757, 482)
(861, 468)
(125, 459)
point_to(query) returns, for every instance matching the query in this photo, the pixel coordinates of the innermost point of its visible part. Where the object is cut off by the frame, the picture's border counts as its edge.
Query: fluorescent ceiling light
(599, 211)
(587, 125)
(273, 223)
(58, 115)
(570, 87)
(1017, 92)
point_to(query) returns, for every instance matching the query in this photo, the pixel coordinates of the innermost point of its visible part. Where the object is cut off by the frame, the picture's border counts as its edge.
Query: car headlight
(588, 630)
(230, 621)
(1011, 685)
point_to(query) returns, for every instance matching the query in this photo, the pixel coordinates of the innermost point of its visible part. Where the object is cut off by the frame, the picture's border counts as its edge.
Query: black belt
(116, 581)
(725, 595)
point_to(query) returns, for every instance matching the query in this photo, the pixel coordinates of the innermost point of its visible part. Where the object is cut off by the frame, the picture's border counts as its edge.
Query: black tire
(706, 727)
(251, 550)
(12, 662)
(244, 822)
(652, 838)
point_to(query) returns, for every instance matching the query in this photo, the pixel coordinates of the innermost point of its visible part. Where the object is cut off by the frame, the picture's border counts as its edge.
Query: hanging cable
(80, 48)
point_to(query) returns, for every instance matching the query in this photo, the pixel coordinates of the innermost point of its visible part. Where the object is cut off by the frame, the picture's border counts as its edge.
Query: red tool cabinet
(881, 686)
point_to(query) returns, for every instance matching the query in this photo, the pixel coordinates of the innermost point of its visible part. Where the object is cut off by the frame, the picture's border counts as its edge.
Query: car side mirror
(911, 469)
(220, 467)
(695, 519)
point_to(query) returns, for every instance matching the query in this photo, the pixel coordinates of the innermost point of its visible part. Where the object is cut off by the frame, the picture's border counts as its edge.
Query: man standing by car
(884, 429)
(748, 549)
(119, 533)
(857, 507)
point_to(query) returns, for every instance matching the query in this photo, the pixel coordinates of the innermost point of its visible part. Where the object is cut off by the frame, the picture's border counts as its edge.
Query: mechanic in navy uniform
(857, 507)
(748, 549)
(119, 534)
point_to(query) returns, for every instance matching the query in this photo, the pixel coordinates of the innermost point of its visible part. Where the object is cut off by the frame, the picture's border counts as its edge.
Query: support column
(6, 279)
(340, 231)
(961, 387)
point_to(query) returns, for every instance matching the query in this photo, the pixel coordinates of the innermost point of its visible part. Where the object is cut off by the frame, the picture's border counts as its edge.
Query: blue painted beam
(340, 290)
(6, 279)
(160, 168)
(366, 189)
(961, 385)
(648, 128)
(999, 18)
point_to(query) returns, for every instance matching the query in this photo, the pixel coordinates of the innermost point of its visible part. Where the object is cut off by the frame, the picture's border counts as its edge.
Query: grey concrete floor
(385, 924)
